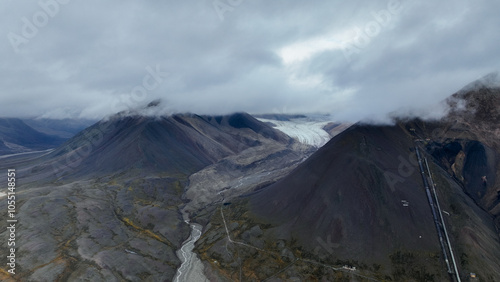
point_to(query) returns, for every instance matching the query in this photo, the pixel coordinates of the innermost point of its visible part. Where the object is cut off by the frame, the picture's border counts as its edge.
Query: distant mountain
(64, 128)
(173, 145)
(360, 202)
(17, 137)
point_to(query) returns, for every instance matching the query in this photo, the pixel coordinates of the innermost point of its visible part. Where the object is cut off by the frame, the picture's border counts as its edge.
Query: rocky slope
(359, 202)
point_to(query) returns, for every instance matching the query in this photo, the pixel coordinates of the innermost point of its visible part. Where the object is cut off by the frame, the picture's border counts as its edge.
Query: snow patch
(305, 130)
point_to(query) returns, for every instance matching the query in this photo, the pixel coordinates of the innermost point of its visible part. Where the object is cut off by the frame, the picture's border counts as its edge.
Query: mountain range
(360, 203)
(116, 190)
(28, 135)
(275, 197)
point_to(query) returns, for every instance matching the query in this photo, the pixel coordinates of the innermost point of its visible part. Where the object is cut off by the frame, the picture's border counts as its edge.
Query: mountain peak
(491, 80)
(154, 103)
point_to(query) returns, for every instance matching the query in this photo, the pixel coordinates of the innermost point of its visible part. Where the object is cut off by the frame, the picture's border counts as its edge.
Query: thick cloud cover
(356, 60)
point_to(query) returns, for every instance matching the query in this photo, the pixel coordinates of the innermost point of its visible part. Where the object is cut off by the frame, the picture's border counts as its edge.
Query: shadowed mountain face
(342, 192)
(360, 201)
(175, 145)
(64, 128)
(3, 148)
(17, 137)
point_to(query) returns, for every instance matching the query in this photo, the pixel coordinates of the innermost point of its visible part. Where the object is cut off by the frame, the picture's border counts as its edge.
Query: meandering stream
(191, 268)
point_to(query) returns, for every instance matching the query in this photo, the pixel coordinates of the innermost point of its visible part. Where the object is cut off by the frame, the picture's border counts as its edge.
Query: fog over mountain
(360, 202)
(357, 60)
(238, 140)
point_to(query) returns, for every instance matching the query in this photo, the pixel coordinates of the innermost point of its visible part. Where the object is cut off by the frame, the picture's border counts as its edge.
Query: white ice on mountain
(308, 130)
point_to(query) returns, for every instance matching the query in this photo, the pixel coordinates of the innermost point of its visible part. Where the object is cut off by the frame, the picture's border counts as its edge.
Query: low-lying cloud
(356, 60)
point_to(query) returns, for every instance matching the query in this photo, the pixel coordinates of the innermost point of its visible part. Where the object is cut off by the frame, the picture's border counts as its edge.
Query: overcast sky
(356, 60)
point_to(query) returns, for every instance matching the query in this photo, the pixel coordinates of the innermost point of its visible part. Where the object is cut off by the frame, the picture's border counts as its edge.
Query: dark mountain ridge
(17, 137)
(173, 145)
(64, 128)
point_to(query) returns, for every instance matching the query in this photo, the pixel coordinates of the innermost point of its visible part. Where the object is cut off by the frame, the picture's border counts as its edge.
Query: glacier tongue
(307, 130)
